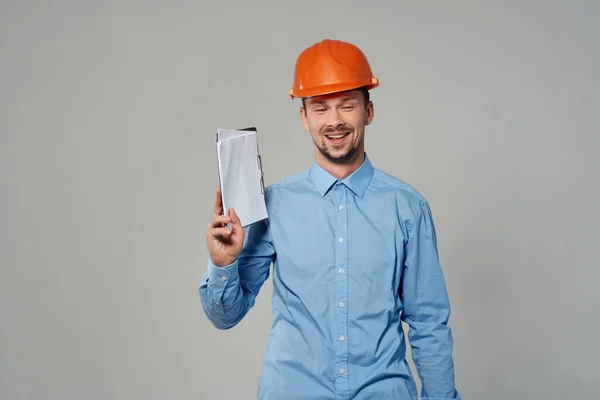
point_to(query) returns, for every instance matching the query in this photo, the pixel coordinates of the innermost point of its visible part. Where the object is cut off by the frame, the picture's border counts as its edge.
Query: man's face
(337, 124)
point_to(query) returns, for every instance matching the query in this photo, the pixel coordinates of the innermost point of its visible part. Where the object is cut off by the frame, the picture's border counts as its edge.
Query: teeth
(336, 136)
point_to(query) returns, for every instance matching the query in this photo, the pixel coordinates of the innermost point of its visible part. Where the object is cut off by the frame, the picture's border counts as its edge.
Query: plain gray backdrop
(108, 112)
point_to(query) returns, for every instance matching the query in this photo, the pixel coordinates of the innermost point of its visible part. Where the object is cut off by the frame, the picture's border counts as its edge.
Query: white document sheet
(240, 174)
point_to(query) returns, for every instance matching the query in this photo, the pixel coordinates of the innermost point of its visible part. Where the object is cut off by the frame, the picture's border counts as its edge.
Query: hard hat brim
(330, 89)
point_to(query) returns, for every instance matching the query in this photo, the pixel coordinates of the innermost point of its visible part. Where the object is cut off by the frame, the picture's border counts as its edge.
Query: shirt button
(340, 240)
(340, 207)
(217, 302)
(341, 370)
(223, 278)
(341, 338)
(340, 271)
(341, 304)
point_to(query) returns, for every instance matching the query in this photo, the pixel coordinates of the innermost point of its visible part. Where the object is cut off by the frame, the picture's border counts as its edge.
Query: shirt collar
(357, 181)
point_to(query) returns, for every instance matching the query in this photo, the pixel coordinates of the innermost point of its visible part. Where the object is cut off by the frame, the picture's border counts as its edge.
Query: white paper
(240, 175)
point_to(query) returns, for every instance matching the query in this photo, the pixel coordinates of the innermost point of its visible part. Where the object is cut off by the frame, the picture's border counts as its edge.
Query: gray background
(107, 119)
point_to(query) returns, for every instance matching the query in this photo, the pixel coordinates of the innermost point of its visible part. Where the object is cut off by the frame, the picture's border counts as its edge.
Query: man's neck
(341, 171)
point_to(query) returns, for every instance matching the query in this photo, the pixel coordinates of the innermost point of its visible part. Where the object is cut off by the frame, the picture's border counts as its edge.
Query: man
(354, 253)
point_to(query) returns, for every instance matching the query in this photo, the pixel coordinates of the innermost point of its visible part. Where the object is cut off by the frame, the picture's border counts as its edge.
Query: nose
(334, 119)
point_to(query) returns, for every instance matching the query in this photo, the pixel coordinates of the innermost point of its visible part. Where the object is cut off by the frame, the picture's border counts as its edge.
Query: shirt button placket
(341, 268)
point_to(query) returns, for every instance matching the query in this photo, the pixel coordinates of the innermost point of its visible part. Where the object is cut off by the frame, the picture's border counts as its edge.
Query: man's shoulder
(287, 181)
(275, 190)
(411, 203)
(400, 187)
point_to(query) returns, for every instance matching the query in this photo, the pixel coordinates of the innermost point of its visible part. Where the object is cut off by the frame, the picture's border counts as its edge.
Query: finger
(218, 233)
(235, 220)
(220, 220)
(218, 207)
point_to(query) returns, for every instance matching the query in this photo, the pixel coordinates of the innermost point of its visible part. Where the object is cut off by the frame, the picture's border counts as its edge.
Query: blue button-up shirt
(352, 258)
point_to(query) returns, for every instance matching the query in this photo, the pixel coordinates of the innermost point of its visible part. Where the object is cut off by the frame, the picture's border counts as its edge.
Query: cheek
(357, 121)
(315, 132)
(315, 127)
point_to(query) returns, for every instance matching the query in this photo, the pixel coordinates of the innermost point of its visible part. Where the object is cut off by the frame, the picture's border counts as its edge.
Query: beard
(327, 150)
(343, 158)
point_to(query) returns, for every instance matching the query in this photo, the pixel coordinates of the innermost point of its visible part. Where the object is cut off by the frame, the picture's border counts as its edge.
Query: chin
(341, 157)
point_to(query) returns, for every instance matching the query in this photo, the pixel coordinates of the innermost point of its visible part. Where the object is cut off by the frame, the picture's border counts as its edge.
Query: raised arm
(238, 265)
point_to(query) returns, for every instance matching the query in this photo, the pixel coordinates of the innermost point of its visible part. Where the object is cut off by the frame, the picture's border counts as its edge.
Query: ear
(304, 118)
(370, 113)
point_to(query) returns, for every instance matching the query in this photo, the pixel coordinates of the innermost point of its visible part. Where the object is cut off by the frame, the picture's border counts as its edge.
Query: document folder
(240, 174)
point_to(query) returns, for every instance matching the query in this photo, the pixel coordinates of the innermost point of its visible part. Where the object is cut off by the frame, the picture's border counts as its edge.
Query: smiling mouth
(337, 136)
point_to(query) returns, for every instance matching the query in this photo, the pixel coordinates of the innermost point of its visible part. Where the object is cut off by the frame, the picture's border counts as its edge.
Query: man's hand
(224, 245)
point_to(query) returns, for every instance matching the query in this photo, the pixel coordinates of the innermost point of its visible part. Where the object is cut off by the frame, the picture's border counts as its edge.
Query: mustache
(338, 128)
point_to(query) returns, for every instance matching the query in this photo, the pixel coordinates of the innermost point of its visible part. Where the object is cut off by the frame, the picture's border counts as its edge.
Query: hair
(363, 89)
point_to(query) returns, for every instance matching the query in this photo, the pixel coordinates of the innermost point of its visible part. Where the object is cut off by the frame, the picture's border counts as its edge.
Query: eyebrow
(343, 99)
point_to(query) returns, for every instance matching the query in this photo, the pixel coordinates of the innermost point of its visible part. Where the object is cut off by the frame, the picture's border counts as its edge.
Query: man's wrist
(220, 275)
(223, 263)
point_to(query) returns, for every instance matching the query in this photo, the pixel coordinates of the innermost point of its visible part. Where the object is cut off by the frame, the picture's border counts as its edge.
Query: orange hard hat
(331, 66)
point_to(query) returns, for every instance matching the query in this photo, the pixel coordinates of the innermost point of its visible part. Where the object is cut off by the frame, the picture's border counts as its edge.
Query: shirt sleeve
(228, 293)
(427, 310)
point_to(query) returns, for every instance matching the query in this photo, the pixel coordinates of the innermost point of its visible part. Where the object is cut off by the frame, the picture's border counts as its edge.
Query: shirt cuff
(457, 397)
(219, 276)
